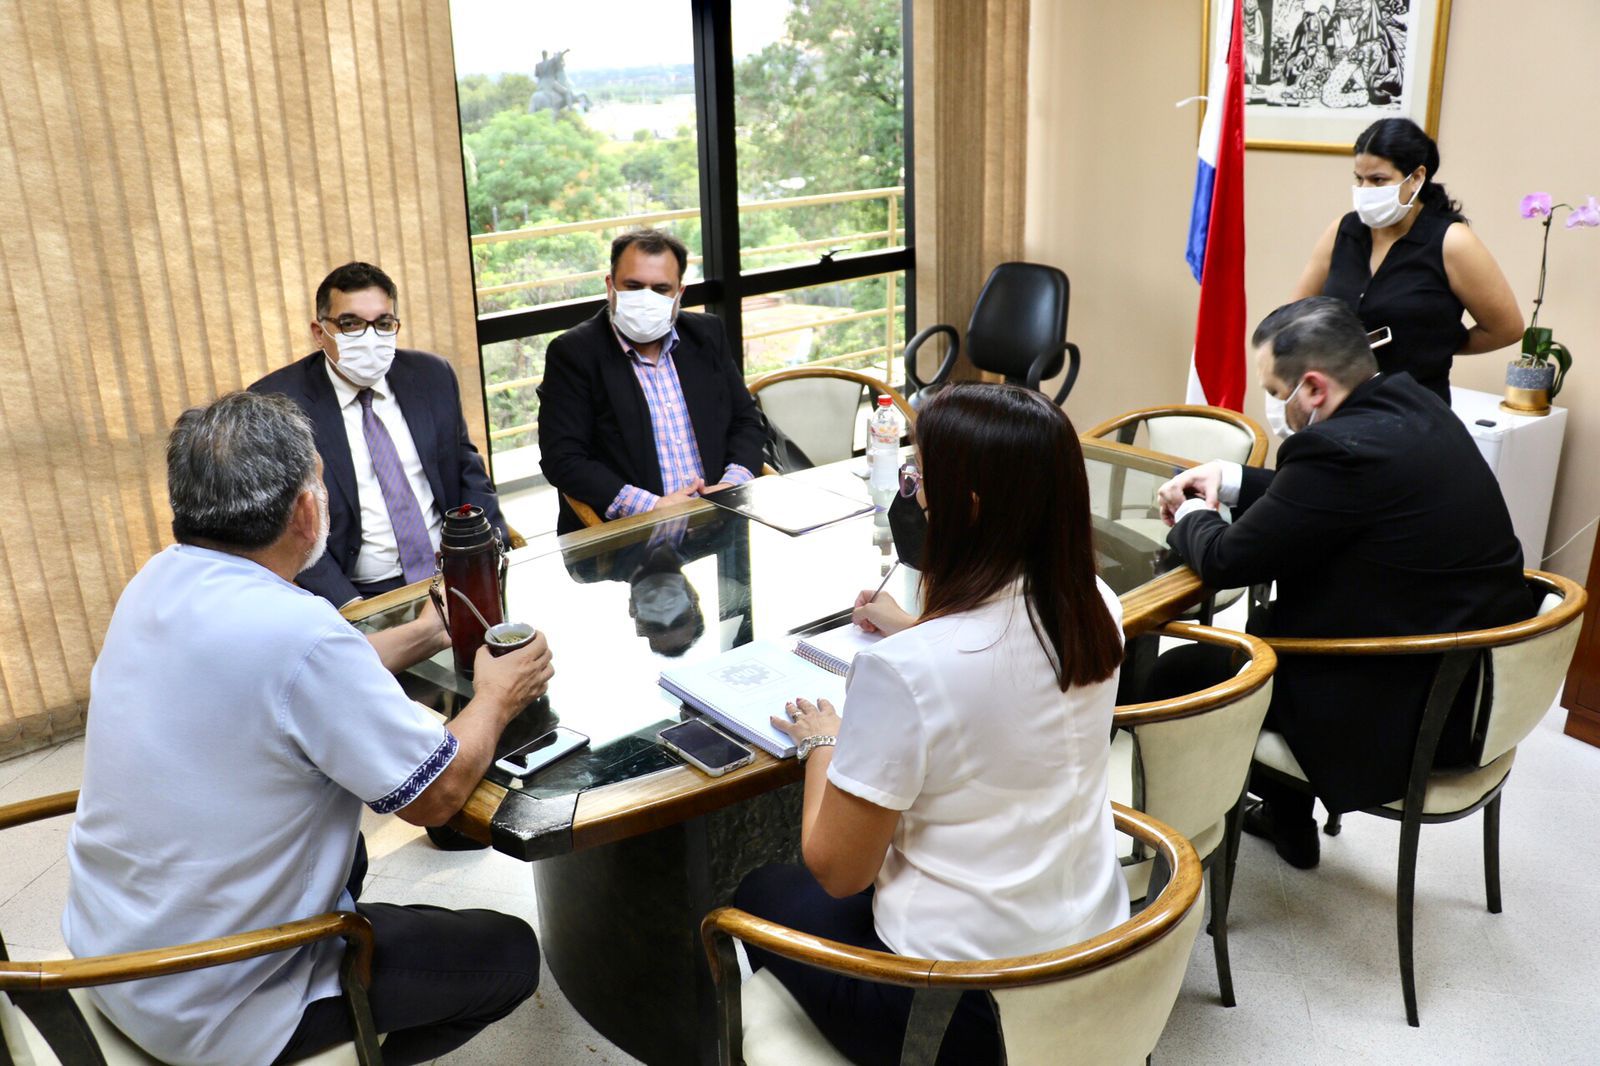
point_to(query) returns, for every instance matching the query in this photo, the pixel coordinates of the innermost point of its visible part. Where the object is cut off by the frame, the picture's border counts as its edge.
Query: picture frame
(1318, 72)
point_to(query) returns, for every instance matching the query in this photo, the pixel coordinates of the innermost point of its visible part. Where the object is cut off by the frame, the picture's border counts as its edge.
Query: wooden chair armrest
(585, 513)
(1258, 438)
(514, 540)
(1165, 913)
(1573, 600)
(1263, 662)
(158, 962)
(34, 810)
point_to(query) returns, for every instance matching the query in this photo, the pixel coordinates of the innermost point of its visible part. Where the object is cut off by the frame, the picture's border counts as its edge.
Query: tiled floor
(1313, 952)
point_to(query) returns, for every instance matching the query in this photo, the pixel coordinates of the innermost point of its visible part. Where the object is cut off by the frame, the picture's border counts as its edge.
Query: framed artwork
(1318, 72)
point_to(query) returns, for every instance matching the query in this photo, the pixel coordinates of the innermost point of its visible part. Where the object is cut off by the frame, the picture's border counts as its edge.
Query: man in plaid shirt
(643, 405)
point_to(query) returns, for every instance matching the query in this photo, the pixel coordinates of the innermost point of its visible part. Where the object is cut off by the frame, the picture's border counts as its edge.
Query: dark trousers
(369, 589)
(1191, 667)
(438, 978)
(865, 1021)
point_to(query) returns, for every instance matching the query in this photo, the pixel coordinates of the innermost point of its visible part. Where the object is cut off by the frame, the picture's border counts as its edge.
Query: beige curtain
(175, 178)
(970, 84)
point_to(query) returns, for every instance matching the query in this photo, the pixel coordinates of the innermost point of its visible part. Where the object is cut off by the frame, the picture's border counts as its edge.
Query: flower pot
(1528, 389)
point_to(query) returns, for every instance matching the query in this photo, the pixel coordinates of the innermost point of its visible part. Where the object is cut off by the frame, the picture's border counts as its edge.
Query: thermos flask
(472, 560)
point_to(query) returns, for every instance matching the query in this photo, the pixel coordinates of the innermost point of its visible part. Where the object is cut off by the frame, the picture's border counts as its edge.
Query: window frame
(725, 285)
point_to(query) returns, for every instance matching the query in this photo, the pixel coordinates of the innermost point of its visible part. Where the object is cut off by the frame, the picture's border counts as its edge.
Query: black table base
(620, 924)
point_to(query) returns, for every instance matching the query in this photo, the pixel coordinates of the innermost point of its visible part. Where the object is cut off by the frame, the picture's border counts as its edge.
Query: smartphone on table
(706, 749)
(537, 754)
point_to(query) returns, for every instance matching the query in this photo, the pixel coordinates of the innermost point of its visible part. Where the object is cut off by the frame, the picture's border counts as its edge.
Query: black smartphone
(537, 754)
(705, 748)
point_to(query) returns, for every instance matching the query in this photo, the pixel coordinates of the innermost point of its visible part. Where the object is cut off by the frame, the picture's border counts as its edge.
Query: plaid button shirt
(676, 447)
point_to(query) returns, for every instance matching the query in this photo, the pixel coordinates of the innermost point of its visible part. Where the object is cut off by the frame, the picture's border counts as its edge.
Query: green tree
(540, 167)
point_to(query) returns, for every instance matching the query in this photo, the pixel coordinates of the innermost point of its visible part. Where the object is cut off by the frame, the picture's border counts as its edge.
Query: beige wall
(1111, 170)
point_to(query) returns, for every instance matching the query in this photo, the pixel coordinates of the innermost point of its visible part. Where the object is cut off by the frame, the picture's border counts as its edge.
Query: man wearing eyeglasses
(392, 438)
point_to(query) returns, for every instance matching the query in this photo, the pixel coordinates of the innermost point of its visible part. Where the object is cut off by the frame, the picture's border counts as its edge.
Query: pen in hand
(885, 582)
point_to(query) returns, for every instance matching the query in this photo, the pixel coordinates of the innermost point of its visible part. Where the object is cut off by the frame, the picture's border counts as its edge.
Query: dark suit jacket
(595, 434)
(430, 398)
(1384, 520)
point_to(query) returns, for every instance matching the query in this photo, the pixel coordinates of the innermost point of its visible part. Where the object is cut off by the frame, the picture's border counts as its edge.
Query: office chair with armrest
(1519, 669)
(819, 407)
(47, 1020)
(1191, 431)
(1185, 760)
(1106, 999)
(1018, 329)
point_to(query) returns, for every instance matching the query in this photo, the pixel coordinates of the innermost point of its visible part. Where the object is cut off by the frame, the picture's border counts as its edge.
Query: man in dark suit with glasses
(394, 444)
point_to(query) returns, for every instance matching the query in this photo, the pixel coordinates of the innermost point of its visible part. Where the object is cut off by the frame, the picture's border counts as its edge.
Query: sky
(498, 36)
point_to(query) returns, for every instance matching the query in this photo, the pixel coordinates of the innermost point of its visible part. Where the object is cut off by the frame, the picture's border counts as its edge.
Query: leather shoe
(1296, 845)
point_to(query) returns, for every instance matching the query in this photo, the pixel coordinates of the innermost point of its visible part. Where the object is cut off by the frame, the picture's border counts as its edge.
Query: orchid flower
(1585, 214)
(1536, 205)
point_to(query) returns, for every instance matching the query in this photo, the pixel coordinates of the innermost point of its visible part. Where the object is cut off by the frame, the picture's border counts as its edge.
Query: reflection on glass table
(620, 604)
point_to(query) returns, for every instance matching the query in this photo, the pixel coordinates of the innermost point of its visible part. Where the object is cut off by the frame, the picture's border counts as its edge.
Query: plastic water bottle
(883, 450)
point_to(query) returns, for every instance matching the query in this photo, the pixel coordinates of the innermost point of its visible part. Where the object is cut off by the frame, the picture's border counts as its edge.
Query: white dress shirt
(1227, 492)
(379, 558)
(1006, 844)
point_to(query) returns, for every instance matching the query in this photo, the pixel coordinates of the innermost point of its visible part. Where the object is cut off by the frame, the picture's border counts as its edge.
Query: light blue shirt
(236, 725)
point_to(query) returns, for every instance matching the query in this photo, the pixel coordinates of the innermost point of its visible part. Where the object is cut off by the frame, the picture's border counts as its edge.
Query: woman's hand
(807, 719)
(880, 614)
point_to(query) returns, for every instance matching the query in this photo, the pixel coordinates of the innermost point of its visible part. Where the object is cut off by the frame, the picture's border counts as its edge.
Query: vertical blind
(970, 73)
(175, 178)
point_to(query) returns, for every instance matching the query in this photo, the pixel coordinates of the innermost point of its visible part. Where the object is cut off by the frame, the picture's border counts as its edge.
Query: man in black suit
(643, 405)
(1381, 519)
(393, 442)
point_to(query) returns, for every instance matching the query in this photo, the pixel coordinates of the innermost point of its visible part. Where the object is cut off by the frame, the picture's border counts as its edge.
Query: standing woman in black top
(1405, 258)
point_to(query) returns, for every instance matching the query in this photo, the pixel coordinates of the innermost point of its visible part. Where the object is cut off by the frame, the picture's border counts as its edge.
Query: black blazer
(1382, 521)
(595, 434)
(430, 398)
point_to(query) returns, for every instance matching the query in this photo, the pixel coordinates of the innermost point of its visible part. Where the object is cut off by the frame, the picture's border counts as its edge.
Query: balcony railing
(881, 357)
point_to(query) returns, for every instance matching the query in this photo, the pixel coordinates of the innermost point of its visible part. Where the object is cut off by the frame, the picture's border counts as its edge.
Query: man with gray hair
(236, 726)
(1381, 519)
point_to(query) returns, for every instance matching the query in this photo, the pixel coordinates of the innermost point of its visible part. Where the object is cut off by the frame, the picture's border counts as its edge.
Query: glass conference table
(630, 848)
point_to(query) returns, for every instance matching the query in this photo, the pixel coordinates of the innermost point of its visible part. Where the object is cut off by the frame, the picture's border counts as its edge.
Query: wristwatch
(815, 740)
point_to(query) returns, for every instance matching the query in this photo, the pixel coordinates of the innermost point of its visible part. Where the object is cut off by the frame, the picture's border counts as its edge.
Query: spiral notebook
(835, 649)
(742, 689)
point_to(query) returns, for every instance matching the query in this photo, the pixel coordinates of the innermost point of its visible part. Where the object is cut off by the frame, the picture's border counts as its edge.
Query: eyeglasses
(910, 479)
(355, 325)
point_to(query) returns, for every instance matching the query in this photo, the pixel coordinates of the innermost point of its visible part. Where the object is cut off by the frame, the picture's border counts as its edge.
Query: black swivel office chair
(1018, 328)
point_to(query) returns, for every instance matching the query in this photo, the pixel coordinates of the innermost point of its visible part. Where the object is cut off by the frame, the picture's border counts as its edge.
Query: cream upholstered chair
(1191, 431)
(1185, 761)
(46, 1019)
(1105, 999)
(818, 407)
(1188, 431)
(1522, 666)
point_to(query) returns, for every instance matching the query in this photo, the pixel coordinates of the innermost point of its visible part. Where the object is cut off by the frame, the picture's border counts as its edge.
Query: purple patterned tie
(410, 531)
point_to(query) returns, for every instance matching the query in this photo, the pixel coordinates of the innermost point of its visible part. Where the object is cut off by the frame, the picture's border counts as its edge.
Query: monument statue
(554, 91)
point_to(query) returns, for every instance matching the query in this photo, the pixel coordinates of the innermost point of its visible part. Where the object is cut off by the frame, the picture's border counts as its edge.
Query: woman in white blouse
(963, 813)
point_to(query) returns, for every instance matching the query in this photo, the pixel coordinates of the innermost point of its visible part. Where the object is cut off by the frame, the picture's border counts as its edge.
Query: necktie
(410, 531)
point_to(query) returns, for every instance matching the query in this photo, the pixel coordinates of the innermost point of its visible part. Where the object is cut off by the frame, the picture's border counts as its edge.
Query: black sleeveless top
(1410, 294)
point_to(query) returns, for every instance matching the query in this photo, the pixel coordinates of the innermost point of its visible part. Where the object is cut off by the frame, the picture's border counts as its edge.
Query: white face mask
(1380, 205)
(643, 315)
(365, 359)
(1278, 414)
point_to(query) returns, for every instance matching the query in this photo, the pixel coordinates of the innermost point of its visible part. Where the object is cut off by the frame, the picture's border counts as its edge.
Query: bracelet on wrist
(815, 740)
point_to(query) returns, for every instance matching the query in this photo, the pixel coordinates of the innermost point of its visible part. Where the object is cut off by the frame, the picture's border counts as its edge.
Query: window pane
(574, 128)
(820, 114)
(858, 324)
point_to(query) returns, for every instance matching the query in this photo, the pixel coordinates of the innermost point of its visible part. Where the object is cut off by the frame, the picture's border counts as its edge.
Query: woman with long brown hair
(963, 813)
